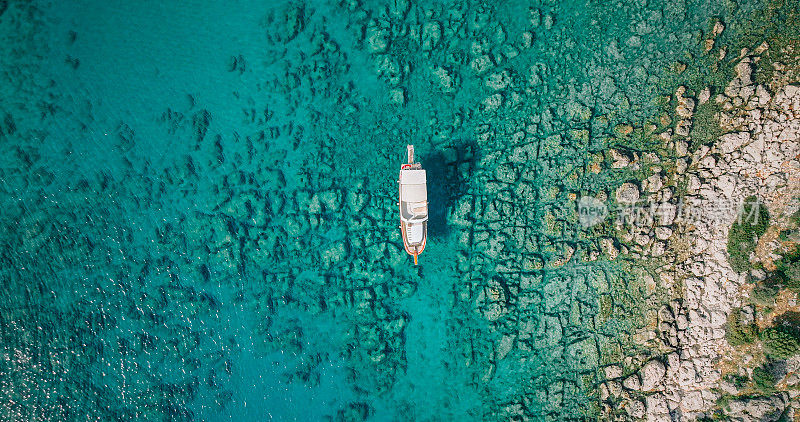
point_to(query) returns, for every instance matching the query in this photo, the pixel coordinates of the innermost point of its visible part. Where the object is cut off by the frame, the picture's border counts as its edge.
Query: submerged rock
(493, 102)
(398, 8)
(287, 22)
(377, 38)
(431, 35)
(481, 64)
(498, 81)
(397, 96)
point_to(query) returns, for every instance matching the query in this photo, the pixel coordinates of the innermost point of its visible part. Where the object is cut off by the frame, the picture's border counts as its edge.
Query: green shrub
(780, 342)
(751, 223)
(789, 320)
(764, 295)
(763, 380)
(737, 333)
(765, 291)
(789, 268)
(706, 129)
(739, 381)
(775, 279)
(792, 272)
(724, 400)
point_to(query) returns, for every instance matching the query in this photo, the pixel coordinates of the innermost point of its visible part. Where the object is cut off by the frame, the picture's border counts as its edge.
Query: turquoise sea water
(198, 204)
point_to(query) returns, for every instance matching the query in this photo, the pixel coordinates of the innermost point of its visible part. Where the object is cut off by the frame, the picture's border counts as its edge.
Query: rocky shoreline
(697, 200)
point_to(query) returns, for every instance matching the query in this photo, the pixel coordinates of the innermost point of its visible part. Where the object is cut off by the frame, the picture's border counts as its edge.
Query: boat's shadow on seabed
(449, 171)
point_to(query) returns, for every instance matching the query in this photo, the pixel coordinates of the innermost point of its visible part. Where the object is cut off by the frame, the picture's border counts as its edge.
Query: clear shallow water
(198, 206)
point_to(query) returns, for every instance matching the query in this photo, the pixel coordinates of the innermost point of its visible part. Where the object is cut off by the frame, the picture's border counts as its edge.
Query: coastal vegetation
(751, 223)
(764, 380)
(706, 129)
(765, 332)
(780, 342)
(738, 332)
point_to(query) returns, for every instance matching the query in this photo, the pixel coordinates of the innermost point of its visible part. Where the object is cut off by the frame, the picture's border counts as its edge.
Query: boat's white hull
(413, 206)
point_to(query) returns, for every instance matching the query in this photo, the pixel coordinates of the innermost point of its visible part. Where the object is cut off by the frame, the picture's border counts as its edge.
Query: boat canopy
(413, 177)
(413, 195)
(413, 186)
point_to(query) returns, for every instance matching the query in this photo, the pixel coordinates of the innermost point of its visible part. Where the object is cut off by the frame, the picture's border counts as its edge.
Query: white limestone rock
(504, 347)
(681, 148)
(632, 383)
(628, 193)
(692, 401)
(685, 108)
(744, 79)
(608, 247)
(620, 159)
(683, 127)
(704, 96)
(654, 183)
(663, 233)
(730, 142)
(636, 409)
(448, 82)
(652, 374)
(726, 184)
(657, 407)
(612, 371)
(718, 28)
(757, 409)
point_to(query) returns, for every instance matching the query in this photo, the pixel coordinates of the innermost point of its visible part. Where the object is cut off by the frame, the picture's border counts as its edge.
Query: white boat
(413, 206)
